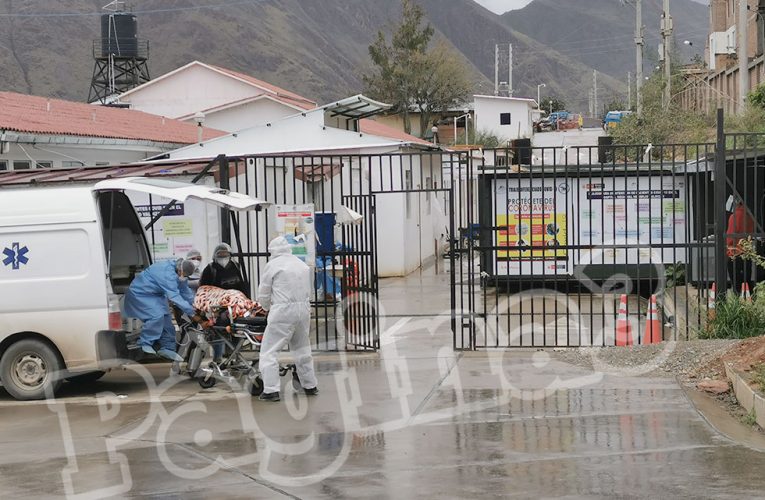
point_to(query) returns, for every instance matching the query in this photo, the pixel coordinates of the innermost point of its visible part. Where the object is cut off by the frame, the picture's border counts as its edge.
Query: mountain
(317, 48)
(600, 33)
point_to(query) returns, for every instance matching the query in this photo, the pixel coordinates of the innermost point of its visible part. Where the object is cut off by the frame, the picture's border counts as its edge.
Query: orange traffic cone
(712, 297)
(745, 293)
(623, 327)
(653, 330)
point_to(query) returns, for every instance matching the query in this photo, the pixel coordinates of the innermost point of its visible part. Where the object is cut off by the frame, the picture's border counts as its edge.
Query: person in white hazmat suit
(285, 292)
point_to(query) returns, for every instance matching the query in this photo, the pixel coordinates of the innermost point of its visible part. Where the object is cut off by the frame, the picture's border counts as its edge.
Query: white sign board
(649, 211)
(602, 216)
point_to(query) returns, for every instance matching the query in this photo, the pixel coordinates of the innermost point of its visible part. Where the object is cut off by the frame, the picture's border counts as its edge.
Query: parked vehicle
(69, 253)
(553, 121)
(614, 118)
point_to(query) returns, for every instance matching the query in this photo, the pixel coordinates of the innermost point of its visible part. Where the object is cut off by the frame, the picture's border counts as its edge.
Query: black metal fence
(394, 194)
(568, 249)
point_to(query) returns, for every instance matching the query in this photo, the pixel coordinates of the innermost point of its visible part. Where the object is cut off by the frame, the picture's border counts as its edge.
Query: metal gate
(549, 247)
(360, 278)
(557, 250)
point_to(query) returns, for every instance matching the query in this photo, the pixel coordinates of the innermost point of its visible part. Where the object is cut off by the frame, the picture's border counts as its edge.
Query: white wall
(489, 109)
(247, 115)
(188, 91)
(403, 243)
(57, 155)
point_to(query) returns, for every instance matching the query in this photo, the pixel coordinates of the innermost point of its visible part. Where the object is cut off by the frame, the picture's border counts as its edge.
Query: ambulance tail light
(115, 317)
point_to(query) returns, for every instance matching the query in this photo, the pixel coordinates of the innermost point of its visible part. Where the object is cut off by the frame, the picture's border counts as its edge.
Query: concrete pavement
(416, 419)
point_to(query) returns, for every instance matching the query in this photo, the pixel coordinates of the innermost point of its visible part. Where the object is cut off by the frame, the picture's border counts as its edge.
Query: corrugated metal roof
(95, 174)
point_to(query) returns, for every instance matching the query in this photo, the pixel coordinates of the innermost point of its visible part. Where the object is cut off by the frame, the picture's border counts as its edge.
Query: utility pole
(629, 91)
(743, 54)
(496, 69)
(666, 32)
(595, 93)
(510, 71)
(589, 102)
(639, 54)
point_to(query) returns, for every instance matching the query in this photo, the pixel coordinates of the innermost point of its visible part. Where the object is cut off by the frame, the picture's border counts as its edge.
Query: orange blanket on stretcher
(211, 298)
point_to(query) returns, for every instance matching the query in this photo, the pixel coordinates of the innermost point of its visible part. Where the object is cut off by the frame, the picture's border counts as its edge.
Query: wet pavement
(416, 419)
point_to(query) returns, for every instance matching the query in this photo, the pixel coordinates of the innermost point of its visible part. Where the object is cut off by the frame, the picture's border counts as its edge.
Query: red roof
(373, 127)
(290, 97)
(40, 115)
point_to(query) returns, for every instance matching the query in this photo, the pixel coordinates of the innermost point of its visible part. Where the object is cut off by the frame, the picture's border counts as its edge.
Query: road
(417, 419)
(580, 147)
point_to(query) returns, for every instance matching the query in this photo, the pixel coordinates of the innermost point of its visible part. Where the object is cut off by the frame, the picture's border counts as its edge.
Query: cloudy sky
(502, 6)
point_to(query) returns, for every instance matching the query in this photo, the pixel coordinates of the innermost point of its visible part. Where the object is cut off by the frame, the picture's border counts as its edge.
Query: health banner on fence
(588, 221)
(532, 213)
(616, 214)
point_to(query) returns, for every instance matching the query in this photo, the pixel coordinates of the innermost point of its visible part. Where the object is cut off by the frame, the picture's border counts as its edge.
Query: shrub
(736, 318)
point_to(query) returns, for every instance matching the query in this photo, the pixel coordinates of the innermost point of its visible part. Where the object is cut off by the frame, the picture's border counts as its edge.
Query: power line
(598, 46)
(147, 11)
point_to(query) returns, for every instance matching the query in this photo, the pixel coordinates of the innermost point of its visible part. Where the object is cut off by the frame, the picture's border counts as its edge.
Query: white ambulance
(67, 255)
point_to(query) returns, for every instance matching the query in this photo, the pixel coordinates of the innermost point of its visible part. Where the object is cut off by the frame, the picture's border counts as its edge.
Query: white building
(229, 100)
(506, 117)
(37, 132)
(267, 120)
(353, 162)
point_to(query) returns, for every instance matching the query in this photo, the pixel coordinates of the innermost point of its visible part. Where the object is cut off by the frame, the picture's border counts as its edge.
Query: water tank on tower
(121, 58)
(119, 34)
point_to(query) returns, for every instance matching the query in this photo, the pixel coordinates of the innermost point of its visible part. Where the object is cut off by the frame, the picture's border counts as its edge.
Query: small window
(44, 164)
(102, 163)
(71, 164)
(21, 165)
(3, 165)
(504, 118)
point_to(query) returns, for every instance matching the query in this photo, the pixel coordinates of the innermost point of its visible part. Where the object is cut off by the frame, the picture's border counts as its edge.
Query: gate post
(225, 218)
(721, 179)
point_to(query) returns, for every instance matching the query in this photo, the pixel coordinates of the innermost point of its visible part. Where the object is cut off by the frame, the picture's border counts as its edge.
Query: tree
(616, 105)
(552, 104)
(662, 125)
(756, 97)
(410, 75)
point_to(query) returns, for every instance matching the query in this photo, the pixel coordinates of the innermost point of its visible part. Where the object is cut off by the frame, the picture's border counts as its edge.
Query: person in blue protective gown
(147, 299)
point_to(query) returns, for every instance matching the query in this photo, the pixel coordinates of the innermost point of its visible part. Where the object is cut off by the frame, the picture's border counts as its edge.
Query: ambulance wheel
(86, 378)
(29, 368)
(207, 383)
(256, 388)
(296, 381)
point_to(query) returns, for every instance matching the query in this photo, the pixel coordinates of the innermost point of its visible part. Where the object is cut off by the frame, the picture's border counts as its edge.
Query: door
(182, 191)
(360, 278)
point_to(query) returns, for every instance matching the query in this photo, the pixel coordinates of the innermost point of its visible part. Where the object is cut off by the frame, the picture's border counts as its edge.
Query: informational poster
(193, 224)
(532, 213)
(609, 220)
(297, 224)
(649, 212)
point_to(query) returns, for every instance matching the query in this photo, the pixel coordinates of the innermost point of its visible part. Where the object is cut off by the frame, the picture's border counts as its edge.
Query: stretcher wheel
(206, 383)
(256, 388)
(296, 381)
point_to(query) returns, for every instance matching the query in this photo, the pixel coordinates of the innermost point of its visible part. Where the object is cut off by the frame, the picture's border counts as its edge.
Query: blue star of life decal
(15, 256)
